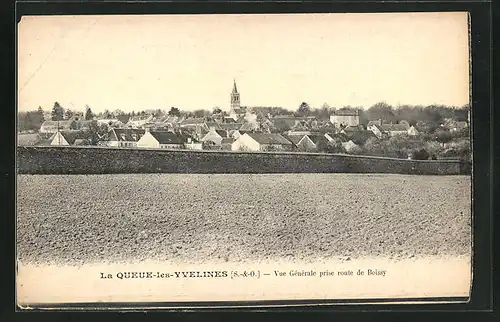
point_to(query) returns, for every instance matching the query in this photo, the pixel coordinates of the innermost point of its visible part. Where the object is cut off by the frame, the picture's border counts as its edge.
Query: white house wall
(194, 146)
(349, 120)
(59, 140)
(213, 137)
(245, 143)
(148, 141)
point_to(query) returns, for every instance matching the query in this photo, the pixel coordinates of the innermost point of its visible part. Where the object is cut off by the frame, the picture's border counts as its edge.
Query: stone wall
(100, 160)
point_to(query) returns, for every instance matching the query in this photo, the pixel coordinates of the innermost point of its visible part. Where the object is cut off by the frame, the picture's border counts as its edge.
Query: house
(189, 142)
(192, 144)
(455, 126)
(236, 134)
(110, 122)
(282, 123)
(394, 129)
(360, 137)
(336, 137)
(28, 139)
(230, 126)
(54, 126)
(140, 121)
(250, 126)
(188, 132)
(345, 117)
(70, 138)
(302, 143)
(213, 125)
(293, 132)
(197, 124)
(160, 140)
(375, 129)
(302, 125)
(265, 124)
(352, 129)
(412, 131)
(124, 137)
(83, 125)
(214, 136)
(262, 142)
(227, 143)
(318, 139)
(374, 122)
(349, 146)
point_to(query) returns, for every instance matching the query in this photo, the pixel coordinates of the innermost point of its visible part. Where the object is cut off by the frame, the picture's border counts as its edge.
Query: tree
(57, 112)
(97, 132)
(381, 110)
(68, 114)
(27, 122)
(174, 111)
(304, 109)
(88, 113)
(421, 154)
(41, 114)
(444, 137)
(158, 113)
(200, 113)
(107, 114)
(216, 110)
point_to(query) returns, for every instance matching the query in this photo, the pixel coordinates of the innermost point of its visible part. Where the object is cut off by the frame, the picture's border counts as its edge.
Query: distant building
(455, 126)
(375, 129)
(236, 134)
(110, 122)
(374, 122)
(302, 143)
(192, 144)
(138, 122)
(231, 126)
(54, 126)
(214, 136)
(262, 142)
(349, 146)
(70, 138)
(160, 140)
(412, 131)
(394, 129)
(126, 138)
(360, 137)
(345, 117)
(83, 125)
(336, 137)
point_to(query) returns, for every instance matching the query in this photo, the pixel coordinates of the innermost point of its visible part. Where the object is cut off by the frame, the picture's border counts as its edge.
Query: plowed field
(239, 218)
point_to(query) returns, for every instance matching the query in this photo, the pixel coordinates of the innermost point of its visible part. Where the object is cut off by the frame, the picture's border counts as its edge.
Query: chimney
(146, 129)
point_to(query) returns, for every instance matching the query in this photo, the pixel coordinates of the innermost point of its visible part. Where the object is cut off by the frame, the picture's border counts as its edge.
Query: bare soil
(240, 218)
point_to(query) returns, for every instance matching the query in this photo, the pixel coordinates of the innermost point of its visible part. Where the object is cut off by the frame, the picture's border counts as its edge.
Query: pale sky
(190, 61)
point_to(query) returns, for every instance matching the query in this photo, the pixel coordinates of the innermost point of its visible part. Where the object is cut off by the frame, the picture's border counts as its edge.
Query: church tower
(235, 100)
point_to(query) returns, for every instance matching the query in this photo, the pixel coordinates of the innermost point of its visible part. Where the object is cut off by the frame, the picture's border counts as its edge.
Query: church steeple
(235, 99)
(235, 90)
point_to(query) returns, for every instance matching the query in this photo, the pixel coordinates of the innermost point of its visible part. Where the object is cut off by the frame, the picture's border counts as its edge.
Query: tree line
(32, 120)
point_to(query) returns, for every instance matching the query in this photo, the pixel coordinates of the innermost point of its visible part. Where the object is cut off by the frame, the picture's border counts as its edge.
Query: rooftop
(269, 138)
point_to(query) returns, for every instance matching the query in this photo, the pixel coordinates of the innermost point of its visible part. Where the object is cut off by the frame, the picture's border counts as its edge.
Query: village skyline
(156, 62)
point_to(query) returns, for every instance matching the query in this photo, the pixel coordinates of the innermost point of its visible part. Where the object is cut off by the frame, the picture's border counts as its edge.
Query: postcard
(243, 160)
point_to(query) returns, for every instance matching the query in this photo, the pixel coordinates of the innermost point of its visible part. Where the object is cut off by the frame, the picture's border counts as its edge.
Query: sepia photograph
(177, 159)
